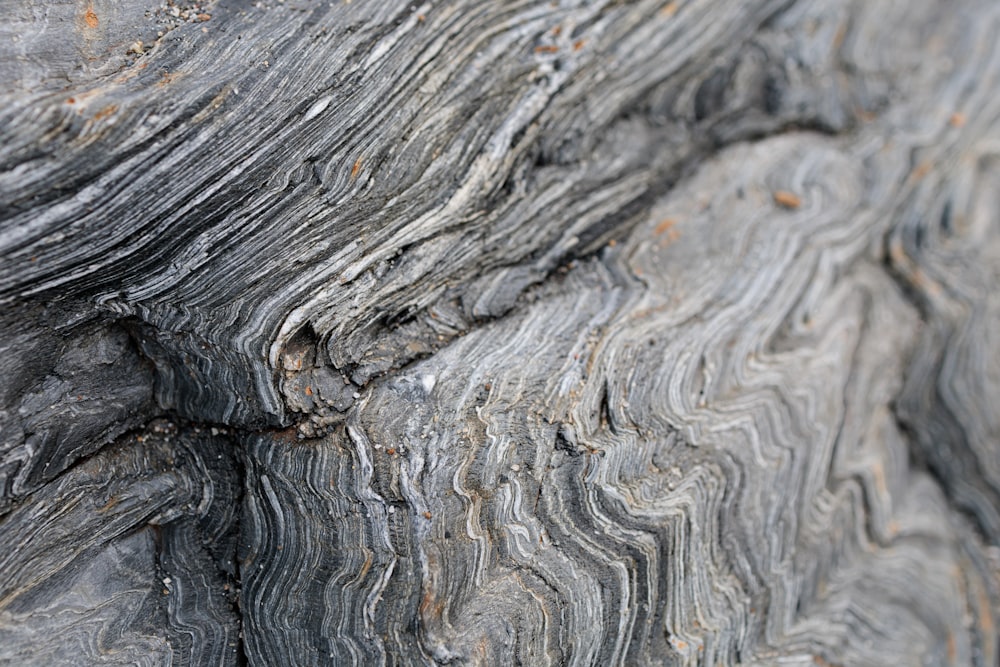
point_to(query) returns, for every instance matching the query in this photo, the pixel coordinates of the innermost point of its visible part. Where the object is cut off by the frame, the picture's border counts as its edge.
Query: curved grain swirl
(501, 333)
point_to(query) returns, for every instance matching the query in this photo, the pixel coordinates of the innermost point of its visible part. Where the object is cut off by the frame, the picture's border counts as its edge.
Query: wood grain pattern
(578, 333)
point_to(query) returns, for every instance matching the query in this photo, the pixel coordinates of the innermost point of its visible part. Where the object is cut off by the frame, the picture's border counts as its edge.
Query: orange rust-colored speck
(896, 253)
(612, 243)
(427, 515)
(105, 112)
(365, 568)
(866, 116)
(787, 199)
(421, 18)
(840, 35)
(90, 17)
(426, 602)
(546, 48)
(356, 169)
(957, 119)
(309, 391)
(71, 100)
(682, 645)
(204, 17)
(921, 170)
(112, 501)
(166, 78)
(664, 226)
(986, 622)
(669, 9)
(578, 44)
(556, 31)
(390, 451)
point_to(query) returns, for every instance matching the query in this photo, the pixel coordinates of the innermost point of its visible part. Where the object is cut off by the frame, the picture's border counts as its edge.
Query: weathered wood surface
(584, 333)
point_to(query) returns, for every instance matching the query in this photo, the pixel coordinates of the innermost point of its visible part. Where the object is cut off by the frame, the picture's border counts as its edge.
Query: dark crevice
(907, 290)
(949, 463)
(940, 458)
(917, 457)
(607, 413)
(216, 545)
(237, 577)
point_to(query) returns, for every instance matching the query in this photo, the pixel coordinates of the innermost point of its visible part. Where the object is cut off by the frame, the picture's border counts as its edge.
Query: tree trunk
(541, 333)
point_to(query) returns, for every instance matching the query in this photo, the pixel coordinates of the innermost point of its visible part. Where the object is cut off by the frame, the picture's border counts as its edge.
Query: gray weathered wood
(584, 333)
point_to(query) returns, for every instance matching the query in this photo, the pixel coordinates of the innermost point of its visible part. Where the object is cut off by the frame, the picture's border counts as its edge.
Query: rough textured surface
(500, 333)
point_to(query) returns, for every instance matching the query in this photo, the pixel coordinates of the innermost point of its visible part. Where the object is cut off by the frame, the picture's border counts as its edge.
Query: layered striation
(350, 168)
(129, 558)
(640, 468)
(501, 333)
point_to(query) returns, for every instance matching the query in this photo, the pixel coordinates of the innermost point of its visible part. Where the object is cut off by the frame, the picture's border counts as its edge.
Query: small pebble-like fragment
(787, 199)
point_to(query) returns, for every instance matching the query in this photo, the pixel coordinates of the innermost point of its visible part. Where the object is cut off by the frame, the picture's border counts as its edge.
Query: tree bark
(542, 333)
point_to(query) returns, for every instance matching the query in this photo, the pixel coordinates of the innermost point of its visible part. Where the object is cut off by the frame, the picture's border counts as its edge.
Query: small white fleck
(357, 395)
(166, 581)
(515, 468)
(428, 381)
(318, 107)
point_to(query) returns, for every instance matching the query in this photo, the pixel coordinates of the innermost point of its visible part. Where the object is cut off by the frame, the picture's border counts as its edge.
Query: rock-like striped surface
(129, 558)
(501, 333)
